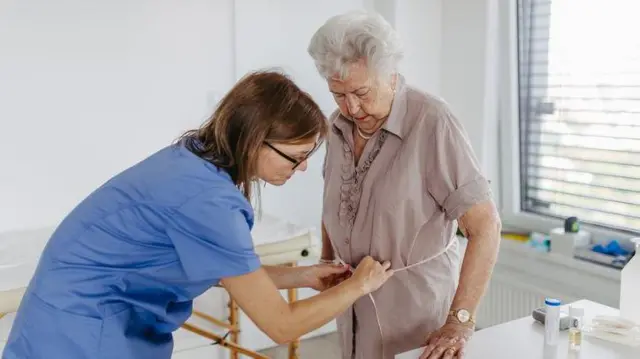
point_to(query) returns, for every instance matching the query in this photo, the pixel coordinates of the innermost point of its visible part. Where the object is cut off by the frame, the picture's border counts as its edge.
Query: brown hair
(264, 106)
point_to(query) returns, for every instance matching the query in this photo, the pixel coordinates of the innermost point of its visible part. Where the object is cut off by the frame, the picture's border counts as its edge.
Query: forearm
(312, 313)
(327, 247)
(478, 263)
(285, 277)
(258, 297)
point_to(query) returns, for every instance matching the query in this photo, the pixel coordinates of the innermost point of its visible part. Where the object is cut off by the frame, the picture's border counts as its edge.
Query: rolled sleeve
(454, 177)
(212, 235)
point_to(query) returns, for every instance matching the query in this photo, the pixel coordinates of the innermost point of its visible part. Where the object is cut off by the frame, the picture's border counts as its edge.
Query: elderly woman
(400, 177)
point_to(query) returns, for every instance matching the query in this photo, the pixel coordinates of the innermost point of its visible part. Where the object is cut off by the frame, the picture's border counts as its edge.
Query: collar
(395, 124)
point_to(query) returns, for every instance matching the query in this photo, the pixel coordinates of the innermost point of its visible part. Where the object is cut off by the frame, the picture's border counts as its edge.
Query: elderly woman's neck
(372, 127)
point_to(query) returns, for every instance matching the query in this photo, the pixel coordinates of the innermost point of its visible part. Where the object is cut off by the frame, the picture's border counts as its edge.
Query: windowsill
(550, 274)
(522, 250)
(529, 222)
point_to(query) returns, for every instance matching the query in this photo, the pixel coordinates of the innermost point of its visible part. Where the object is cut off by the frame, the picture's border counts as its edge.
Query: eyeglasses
(296, 162)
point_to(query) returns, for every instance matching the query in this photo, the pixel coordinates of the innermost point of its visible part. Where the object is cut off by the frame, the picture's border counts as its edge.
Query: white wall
(419, 24)
(87, 88)
(469, 80)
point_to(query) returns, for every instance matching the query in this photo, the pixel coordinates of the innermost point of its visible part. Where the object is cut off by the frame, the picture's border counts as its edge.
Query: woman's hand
(447, 342)
(371, 274)
(324, 276)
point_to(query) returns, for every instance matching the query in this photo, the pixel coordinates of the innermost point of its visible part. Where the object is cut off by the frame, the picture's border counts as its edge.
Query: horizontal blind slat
(624, 184)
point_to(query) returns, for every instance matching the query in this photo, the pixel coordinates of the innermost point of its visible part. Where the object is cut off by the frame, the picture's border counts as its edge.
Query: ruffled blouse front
(352, 178)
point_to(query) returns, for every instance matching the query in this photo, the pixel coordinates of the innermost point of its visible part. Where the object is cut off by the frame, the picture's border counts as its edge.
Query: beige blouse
(399, 203)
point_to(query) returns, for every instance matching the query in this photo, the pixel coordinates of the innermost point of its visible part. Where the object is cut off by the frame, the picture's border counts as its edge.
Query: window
(579, 110)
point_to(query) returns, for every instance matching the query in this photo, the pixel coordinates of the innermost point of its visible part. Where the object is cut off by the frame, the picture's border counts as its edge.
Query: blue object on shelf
(612, 248)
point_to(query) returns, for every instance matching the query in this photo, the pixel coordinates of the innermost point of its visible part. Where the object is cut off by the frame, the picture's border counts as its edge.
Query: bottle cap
(576, 312)
(572, 225)
(552, 302)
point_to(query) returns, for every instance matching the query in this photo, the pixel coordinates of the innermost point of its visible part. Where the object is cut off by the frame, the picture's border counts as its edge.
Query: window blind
(579, 108)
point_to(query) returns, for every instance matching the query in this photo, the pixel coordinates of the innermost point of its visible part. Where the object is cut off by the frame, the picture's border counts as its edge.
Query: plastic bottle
(575, 331)
(629, 288)
(552, 321)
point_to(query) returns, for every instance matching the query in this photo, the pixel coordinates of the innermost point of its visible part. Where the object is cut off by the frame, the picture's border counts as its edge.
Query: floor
(323, 347)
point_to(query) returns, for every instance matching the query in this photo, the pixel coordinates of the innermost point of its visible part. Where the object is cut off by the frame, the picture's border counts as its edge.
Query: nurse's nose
(302, 166)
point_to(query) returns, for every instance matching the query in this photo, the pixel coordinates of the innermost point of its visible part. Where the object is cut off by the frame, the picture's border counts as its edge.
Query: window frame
(513, 217)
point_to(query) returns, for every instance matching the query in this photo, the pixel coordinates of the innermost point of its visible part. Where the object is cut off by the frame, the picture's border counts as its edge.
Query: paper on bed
(19, 254)
(272, 235)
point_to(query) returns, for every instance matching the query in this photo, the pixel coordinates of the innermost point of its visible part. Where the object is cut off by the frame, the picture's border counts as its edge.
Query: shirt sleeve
(324, 162)
(330, 121)
(212, 235)
(454, 177)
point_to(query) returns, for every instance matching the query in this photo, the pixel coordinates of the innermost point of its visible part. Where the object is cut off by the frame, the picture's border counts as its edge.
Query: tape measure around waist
(370, 295)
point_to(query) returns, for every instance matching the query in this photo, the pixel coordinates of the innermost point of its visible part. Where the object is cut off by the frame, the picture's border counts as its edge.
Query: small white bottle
(575, 330)
(552, 321)
(629, 288)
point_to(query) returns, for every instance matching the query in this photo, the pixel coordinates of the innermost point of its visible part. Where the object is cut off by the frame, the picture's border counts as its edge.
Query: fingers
(439, 347)
(427, 351)
(329, 269)
(449, 353)
(386, 265)
(366, 260)
(343, 276)
(433, 338)
(437, 353)
(339, 278)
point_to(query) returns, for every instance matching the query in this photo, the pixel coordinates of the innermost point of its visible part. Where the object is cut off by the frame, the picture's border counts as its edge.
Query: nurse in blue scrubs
(120, 273)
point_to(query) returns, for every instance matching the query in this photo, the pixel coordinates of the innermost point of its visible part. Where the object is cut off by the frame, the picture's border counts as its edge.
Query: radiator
(522, 279)
(505, 301)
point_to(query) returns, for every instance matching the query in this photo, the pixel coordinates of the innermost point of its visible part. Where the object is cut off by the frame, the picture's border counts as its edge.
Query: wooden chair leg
(293, 346)
(233, 347)
(233, 321)
(234, 329)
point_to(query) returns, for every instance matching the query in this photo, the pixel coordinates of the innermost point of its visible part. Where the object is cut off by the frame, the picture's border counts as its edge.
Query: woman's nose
(353, 104)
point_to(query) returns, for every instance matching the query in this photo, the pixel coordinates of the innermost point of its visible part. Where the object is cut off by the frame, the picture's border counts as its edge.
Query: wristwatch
(462, 316)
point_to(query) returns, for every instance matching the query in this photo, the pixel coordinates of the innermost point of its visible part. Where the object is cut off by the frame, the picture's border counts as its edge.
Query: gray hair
(347, 38)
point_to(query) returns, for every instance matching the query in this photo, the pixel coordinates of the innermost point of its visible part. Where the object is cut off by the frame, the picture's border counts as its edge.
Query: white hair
(347, 38)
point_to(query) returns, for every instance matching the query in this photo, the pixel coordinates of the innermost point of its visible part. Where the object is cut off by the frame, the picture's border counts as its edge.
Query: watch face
(463, 315)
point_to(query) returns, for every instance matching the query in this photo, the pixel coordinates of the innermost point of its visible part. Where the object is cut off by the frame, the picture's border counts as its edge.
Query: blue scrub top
(119, 274)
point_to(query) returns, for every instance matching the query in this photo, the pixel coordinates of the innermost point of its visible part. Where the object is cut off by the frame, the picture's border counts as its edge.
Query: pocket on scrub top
(124, 336)
(48, 332)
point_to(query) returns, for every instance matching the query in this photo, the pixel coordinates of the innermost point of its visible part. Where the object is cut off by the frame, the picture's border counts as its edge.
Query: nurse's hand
(324, 276)
(371, 274)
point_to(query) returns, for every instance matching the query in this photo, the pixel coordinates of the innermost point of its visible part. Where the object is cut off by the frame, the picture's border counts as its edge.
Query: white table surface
(524, 339)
